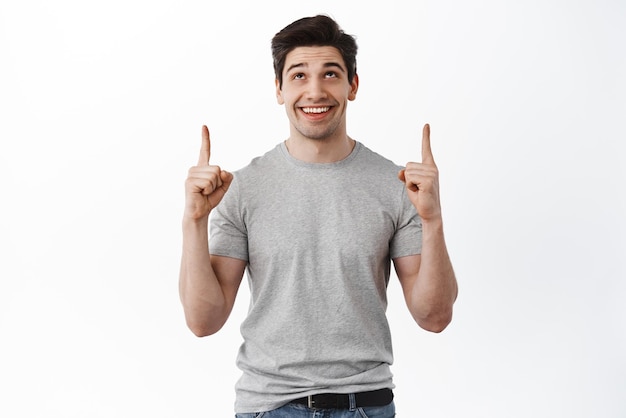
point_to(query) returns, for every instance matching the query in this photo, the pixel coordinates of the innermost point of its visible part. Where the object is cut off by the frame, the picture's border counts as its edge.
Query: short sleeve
(227, 233)
(407, 239)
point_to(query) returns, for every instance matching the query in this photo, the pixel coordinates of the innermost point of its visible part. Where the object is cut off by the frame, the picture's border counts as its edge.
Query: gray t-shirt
(319, 239)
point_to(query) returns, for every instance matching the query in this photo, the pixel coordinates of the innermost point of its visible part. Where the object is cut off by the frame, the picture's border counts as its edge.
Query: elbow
(201, 332)
(202, 329)
(203, 321)
(435, 322)
(434, 317)
(433, 326)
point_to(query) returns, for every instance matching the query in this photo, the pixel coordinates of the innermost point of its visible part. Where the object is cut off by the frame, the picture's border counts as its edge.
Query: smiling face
(315, 92)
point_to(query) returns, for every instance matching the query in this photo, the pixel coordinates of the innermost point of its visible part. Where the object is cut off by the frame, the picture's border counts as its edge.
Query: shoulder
(378, 175)
(374, 161)
(259, 165)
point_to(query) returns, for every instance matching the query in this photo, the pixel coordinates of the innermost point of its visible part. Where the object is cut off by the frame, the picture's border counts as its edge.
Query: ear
(279, 93)
(354, 87)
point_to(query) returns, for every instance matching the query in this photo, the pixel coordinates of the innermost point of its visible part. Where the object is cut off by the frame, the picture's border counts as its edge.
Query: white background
(101, 106)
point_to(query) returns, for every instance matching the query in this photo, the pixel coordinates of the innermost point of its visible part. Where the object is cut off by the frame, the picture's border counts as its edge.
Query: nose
(315, 90)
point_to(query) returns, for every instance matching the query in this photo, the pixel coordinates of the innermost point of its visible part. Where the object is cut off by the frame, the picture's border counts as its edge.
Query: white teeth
(315, 109)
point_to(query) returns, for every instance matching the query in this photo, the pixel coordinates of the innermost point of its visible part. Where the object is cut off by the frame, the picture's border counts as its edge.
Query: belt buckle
(310, 401)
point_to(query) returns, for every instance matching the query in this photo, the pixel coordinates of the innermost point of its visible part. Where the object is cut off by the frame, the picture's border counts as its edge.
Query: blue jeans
(292, 410)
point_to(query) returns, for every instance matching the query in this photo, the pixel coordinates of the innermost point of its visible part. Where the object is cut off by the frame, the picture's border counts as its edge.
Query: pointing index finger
(427, 154)
(205, 150)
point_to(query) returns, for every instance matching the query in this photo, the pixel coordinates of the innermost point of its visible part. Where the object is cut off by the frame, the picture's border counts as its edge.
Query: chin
(317, 134)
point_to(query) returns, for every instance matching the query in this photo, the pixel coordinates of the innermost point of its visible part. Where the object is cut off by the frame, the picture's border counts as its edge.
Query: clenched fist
(206, 184)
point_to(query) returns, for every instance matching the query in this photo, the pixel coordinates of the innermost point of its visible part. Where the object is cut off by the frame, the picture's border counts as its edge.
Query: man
(316, 222)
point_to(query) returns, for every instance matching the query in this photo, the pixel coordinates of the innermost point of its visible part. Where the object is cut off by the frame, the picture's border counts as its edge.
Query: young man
(316, 222)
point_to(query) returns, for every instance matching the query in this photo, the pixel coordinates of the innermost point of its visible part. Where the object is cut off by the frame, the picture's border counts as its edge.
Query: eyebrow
(326, 65)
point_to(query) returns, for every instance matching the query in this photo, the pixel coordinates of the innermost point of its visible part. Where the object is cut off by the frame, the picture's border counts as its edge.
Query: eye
(298, 76)
(330, 74)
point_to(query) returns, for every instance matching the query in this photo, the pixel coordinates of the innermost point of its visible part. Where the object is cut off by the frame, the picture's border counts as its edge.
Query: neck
(327, 150)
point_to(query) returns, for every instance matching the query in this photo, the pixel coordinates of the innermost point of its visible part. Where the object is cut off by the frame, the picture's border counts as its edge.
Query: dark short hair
(318, 30)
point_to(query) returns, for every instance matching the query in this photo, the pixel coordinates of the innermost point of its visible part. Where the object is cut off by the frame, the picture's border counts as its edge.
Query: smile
(315, 109)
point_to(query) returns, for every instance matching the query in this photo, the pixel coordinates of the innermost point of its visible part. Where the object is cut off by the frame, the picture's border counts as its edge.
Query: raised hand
(422, 181)
(206, 184)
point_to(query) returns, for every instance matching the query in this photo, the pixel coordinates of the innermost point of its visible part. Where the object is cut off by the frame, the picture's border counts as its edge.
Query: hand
(422, 181)
(206, 184)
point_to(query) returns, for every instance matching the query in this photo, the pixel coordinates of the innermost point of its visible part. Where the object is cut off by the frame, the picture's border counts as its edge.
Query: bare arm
(207, 284)
(428, 280)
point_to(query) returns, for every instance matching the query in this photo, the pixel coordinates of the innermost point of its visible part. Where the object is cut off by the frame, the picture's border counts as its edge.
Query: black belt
(379, 397)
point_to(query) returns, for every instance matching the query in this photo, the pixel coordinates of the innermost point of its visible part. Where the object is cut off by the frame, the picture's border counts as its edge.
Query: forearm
(435, 288)
(200, 291)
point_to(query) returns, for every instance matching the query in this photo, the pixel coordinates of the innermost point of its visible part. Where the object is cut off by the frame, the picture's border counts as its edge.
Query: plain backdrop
(101, 105)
